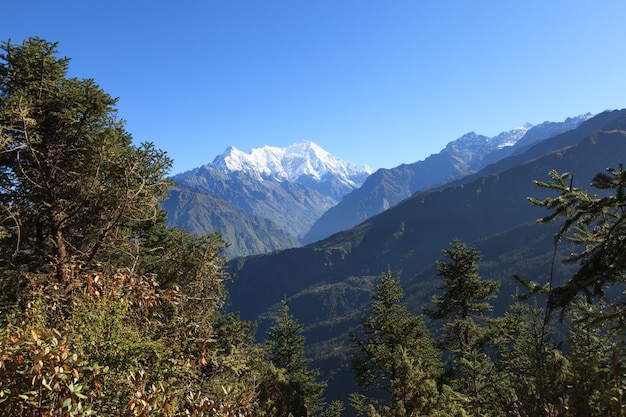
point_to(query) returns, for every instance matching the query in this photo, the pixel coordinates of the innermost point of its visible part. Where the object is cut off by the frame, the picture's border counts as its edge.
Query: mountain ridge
(450, 209)
(463, 156)
(303, 162)
(244, 232)
(315, 185)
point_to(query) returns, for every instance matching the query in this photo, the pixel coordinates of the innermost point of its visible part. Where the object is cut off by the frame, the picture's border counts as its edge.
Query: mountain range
(244, 196)
(463, 156)
(328, 283)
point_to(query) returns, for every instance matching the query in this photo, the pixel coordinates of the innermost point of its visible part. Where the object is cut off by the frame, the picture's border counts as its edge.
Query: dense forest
(106, 311)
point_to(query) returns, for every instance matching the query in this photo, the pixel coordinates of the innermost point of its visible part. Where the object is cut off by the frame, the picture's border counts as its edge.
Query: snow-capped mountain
(475, 144)
(290, 187)
(303, 162)
(302, 192)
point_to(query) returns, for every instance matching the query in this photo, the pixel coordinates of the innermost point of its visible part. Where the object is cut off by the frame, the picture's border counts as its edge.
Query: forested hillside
(106, 311)
(327, 281)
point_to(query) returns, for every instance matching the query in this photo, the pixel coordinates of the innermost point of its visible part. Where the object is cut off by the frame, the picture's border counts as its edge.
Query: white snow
(471, 144)
(511, 137)
(301, 159)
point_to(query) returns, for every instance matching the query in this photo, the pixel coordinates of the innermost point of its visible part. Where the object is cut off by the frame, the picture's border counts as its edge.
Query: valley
(327, 282)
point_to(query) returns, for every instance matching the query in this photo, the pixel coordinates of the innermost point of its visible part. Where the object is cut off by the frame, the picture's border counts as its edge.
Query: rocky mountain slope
(245, 233)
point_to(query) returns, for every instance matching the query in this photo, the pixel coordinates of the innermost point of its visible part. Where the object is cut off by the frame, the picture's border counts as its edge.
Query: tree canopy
(105, 310)
(597, 223)
(73, 187)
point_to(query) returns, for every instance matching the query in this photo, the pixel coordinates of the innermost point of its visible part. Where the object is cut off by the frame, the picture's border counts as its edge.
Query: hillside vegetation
(490, 212)
(107, 311)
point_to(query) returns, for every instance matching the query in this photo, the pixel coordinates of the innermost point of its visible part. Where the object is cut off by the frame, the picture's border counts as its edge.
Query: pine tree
(463, 306)
(583, 374)
(597, 355)
(532, 375)
(298, 394)
(598, 225)
(396, 362)
(72, 184)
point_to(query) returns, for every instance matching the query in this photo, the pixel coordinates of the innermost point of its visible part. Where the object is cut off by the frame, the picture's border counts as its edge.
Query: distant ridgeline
(279, 198)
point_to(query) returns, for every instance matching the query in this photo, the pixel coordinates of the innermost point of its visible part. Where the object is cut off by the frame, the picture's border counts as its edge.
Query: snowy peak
(470, 142)
(262, 161)
(472, 151)
(301, 161)
(510, 138)
(474, 143)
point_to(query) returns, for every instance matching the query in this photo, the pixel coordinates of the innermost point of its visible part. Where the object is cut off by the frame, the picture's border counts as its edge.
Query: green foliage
(536, 376)
(72, 186)
(466, 331)
(116, 321)
(395, 362)
(588, 378)
(465, 292)
(105, 311)
(40, 374)
(598, 366)
(598, 224)
(293, 389)
(531, 373)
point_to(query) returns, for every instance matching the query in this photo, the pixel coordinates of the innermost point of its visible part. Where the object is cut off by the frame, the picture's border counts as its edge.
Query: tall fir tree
(73, 187)
(296, 390)
(395, 360)
(462, 307)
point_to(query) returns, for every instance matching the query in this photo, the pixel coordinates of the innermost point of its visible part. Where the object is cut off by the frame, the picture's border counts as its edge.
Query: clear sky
(379, 82)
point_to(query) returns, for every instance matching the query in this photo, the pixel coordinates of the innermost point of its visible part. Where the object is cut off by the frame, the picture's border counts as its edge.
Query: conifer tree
(103, 309)
(462, 306)
(597, 223)
(297, 393)
(597, 356)
(531, 375)
(586, 378)
(73, 187)
(396, 362)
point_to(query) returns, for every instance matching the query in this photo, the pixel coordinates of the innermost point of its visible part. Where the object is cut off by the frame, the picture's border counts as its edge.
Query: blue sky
(374, 82)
